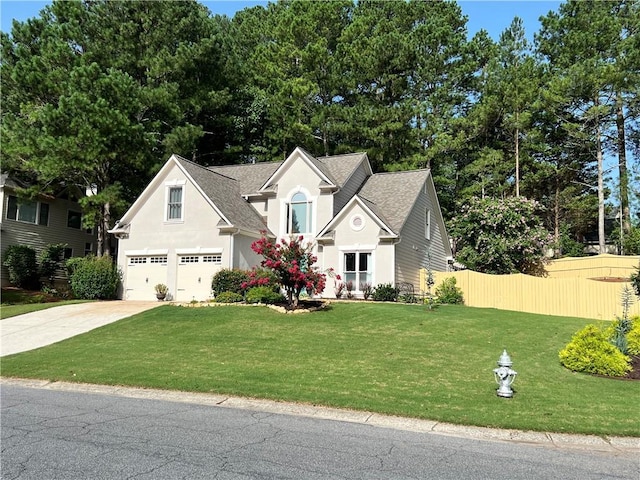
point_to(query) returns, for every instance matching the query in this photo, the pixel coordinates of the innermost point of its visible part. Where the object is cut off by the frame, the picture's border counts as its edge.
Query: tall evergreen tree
(98, 92)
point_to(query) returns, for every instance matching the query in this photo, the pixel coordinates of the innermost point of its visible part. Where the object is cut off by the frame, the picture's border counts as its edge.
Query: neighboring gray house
(192, 221)
(43, 221)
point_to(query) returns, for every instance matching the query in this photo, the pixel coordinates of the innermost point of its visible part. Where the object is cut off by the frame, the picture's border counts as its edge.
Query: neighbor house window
(174, 205)
(29, 211)
(357, 268)
(88, 249)
(299, 214)
(74, 219)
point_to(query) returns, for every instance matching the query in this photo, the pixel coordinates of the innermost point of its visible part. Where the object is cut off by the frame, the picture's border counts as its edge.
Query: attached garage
(194, 273)
(143, 273)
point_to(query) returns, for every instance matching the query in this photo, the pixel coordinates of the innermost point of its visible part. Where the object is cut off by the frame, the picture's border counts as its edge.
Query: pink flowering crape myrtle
(292, 262)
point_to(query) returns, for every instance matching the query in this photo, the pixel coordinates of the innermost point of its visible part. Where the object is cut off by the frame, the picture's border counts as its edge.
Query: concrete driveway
(37, 329)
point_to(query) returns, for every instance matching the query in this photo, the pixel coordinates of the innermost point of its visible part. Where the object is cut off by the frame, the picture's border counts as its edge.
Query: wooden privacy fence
(569, 290)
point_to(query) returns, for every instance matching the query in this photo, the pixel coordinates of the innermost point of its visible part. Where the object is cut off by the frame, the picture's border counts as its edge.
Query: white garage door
(195, 272)
(143, 273)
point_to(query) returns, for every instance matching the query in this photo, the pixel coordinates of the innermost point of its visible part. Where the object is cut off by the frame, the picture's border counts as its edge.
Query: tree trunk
(104, 246)
(106, 220)
(625, 211)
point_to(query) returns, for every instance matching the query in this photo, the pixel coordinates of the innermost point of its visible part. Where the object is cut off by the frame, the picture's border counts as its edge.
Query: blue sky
(494, 16)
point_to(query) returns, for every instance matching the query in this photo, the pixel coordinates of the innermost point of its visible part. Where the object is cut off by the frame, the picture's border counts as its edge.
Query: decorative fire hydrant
(504, 375)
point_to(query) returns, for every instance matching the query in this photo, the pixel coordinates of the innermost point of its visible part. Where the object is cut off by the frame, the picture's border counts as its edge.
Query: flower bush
(501, 236)
(292, 263)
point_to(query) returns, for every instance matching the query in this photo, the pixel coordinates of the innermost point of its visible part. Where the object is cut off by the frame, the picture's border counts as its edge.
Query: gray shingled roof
(225, 193)
(250, 176)
(340, 167)
(393, 195)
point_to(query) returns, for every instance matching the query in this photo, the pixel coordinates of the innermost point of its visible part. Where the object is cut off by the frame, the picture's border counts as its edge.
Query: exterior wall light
(504, 375)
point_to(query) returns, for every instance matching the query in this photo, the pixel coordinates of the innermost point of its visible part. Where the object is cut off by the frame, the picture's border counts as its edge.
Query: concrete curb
(618, 446)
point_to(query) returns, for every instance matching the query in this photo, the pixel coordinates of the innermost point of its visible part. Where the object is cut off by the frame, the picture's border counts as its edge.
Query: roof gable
(394, 194)
(221, 192)
(316, 166)
(371, 210)
(341, 167)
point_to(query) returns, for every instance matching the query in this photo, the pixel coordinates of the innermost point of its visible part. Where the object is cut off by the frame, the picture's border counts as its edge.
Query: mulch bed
(634, 374)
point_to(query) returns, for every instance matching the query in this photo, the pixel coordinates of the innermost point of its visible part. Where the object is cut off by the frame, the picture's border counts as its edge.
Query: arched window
(299, 214)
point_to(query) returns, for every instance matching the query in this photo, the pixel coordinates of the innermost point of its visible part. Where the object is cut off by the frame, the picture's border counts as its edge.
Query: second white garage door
(194, 274)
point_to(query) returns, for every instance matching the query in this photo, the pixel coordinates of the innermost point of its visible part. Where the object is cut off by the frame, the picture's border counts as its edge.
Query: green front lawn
(16, 301)
(393, 359)
(7, 311)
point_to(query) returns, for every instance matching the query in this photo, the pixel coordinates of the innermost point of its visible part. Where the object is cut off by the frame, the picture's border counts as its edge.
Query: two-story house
(46, 220)
(192, 221)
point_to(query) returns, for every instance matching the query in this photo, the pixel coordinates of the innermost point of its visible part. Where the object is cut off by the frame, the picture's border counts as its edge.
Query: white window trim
(284, 207)
(352, 221)
(370, 250)
(167, 189)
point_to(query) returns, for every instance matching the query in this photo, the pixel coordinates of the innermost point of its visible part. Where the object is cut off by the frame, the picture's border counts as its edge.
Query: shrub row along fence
(577, 287)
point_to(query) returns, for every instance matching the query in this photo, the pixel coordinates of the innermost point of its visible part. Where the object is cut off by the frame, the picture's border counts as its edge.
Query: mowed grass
(7, 311)
(393, 359)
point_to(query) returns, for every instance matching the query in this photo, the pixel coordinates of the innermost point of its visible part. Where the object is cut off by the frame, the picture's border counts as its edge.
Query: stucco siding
(39, 236)
(298, 176)
(411, 252)
(196, 234)
(363, 240)
(243, 256)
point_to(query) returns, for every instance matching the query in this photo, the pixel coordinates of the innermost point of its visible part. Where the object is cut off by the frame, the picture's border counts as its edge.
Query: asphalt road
(49, 434)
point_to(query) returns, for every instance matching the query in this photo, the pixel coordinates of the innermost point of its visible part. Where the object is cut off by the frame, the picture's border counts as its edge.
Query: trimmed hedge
(93, 278)
(227, 280)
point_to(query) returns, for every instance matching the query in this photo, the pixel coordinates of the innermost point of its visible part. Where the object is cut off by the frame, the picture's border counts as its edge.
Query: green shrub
(633, 337)
(264, 294)
(262, 277)
(22, 268)
(227, 280)
(590, 351)
(51, 259)
(385, 292)
(228, 297)
(93, 278)
(449, 293)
